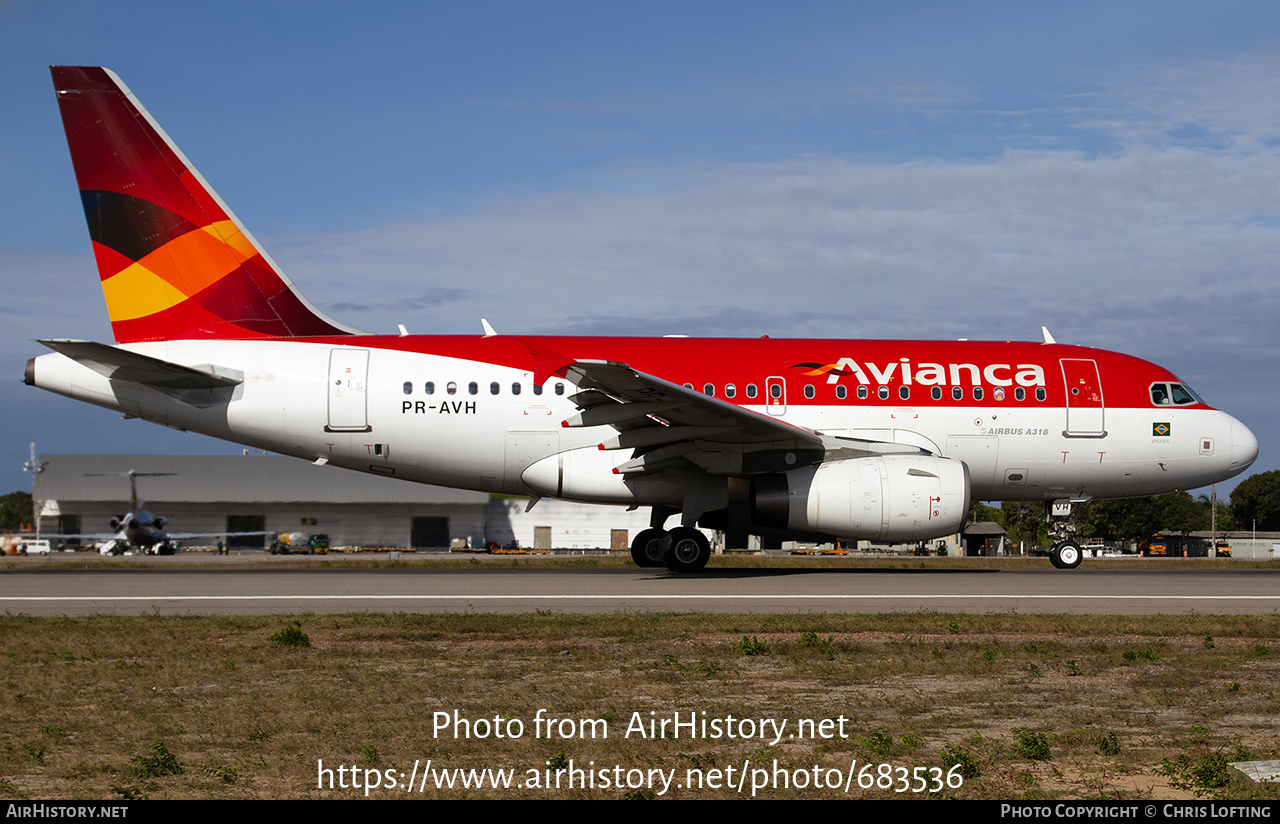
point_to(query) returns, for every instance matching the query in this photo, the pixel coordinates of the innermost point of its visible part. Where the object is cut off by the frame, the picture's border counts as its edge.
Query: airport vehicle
(800, 439)
(289, 542)
(34, 546)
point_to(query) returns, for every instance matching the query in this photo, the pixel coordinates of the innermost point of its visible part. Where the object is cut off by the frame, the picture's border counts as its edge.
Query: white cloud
(839, 247)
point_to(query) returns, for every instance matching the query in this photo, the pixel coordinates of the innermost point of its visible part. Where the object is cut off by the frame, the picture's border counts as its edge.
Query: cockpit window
(1173, 394)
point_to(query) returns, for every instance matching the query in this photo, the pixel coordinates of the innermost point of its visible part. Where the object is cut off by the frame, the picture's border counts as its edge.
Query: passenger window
(515, 389)
(493, 388)
(408, 387)
(904, 392)
(473, 388)
(1020, 394)
(862, 393)
(559, 388)
(977, 393)
(429, 387)
(808, 391)
(452, 388)
(775, 391)
(730, 390)
(1040, 393)
(841, 391)
(537, 389)
(751, 390)
(883, 392)
(708, 389)
(957, 394)
(688, 386)
(936, 392)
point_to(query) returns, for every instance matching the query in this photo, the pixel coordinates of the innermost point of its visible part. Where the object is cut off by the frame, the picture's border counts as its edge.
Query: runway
(419, 590)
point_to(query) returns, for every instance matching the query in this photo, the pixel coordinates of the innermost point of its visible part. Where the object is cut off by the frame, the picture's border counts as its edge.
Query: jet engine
(884, 498)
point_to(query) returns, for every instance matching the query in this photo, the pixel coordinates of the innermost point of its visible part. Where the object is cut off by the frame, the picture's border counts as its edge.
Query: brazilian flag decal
(1161, 430)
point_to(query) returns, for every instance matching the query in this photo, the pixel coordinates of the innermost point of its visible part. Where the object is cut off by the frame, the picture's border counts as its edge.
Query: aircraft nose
(1244, 447)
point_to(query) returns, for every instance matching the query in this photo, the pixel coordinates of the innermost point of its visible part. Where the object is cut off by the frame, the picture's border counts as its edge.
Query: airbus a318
(884, 440)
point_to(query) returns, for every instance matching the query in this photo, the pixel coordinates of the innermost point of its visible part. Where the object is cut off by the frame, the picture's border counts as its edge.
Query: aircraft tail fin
(175, 262)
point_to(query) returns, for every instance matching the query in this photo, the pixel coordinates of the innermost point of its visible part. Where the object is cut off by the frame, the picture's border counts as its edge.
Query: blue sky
(933, 170)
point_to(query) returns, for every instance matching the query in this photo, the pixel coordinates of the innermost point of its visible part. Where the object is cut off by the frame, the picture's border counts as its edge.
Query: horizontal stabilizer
(123, 365)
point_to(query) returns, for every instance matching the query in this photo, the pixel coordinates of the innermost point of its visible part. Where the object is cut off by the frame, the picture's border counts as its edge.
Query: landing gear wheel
(685, 549)
(1066, 555)
(646, 548)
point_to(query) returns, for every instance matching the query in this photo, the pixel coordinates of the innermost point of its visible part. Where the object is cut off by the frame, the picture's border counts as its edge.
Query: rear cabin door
(348, 390)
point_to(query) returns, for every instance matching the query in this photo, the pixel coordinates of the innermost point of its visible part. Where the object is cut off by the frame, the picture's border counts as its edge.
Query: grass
(1019, 706)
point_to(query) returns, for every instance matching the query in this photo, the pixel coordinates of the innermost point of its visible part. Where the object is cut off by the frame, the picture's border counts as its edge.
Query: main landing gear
(1065, 555)
(646, 548)
(683, 549)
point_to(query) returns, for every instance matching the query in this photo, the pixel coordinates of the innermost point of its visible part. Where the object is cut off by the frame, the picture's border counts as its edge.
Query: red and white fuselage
(883, 440)
(1033, 421)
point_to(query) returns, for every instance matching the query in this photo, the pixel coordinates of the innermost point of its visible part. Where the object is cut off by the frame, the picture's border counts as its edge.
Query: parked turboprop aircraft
(805, 439)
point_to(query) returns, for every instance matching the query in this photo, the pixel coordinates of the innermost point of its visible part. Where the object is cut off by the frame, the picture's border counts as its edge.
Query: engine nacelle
(884, 498)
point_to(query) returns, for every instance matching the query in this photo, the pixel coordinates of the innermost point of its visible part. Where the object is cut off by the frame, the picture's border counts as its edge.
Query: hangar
(252, 492)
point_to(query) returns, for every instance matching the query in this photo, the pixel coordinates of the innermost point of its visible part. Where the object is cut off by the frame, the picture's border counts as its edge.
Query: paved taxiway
(274, 591)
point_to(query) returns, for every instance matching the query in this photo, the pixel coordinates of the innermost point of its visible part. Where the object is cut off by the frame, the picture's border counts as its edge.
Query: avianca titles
(801, 439)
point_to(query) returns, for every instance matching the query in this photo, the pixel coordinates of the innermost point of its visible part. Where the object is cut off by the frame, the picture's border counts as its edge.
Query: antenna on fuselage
(1048, 338)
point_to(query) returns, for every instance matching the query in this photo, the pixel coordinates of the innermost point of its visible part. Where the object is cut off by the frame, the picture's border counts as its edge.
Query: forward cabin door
(1084, 397)
(348, 390)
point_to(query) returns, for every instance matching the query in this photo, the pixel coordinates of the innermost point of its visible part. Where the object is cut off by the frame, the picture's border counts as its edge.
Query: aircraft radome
(801, 439)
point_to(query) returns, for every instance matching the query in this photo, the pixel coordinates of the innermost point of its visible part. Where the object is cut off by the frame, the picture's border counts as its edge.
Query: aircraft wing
(668, 424)
(186, 536)
(167, 536)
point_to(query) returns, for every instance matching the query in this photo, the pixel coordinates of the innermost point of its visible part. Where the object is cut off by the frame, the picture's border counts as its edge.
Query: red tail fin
(174, 261)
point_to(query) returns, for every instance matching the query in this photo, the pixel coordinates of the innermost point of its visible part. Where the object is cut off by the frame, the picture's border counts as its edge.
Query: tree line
(1254, 504)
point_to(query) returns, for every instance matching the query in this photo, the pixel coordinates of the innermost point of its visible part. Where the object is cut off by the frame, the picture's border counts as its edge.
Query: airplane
(138, 531)
(798, 439)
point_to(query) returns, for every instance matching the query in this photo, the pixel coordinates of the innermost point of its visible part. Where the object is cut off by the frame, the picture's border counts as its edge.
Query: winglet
(175, 262)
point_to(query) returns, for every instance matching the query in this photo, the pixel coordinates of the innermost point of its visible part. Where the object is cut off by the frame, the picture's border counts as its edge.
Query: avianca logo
(929, 374)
